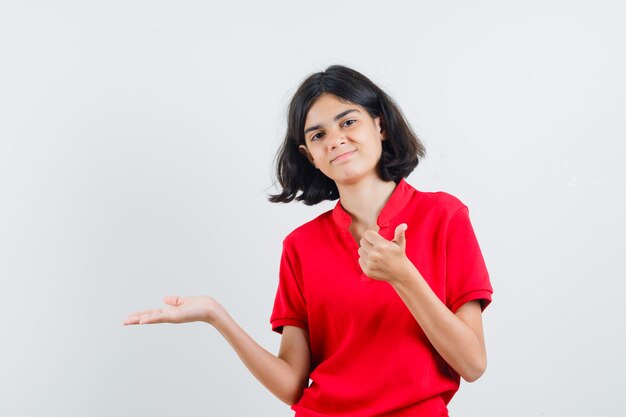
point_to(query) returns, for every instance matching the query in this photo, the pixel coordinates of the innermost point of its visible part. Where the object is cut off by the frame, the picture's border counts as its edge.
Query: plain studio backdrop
(136, 150)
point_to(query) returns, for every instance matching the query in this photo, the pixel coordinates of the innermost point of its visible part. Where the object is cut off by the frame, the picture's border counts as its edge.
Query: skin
(457, 337)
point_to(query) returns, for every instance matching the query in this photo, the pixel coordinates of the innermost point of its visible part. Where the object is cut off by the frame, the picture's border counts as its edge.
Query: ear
(305, 151)
(380, 125)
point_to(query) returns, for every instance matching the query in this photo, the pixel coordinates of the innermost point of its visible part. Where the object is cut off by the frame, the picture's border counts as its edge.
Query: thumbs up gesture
(383, 259)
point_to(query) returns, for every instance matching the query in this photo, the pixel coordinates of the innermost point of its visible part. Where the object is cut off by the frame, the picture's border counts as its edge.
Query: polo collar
(398, 199)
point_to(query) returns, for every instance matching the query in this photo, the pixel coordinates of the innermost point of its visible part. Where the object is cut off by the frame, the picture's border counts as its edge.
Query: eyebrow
(339, 116)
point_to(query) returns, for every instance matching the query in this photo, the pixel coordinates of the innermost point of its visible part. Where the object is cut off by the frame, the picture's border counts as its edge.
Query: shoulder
(311, 230)
(447, 202)
(437, 202)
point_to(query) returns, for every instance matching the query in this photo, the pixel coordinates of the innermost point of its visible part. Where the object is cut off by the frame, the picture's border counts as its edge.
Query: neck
(365, 199)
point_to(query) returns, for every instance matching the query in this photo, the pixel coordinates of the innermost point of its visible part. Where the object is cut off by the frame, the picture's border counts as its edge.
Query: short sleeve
(289, 304)
(467, 278)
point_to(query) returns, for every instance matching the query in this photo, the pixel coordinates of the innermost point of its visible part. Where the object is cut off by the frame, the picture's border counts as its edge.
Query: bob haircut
(401, 151)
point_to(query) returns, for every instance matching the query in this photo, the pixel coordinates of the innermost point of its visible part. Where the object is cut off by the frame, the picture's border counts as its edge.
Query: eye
(315, 136)
(347, 122)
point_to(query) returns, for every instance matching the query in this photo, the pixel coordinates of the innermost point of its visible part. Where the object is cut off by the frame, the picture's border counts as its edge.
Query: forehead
(326, 107)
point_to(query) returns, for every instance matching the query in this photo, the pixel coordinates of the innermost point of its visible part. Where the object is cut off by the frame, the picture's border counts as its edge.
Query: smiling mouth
(342, 156)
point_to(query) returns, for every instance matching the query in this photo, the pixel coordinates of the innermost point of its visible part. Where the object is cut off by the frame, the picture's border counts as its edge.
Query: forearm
(457, 343)
(276, 374)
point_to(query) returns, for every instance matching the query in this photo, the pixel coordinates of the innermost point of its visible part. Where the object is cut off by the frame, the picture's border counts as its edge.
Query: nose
(335, 138)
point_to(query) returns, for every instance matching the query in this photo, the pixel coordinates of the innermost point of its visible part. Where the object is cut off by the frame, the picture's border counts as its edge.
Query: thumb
(174, 300)
(399, 237)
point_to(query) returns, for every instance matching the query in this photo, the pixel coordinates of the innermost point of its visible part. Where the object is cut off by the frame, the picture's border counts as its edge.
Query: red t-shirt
(369, 357)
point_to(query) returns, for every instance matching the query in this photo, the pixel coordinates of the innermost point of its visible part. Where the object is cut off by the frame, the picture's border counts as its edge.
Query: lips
(342, 155)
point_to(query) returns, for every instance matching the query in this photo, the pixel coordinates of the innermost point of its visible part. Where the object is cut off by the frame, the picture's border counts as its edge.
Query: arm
(458, 338)
(285, 375)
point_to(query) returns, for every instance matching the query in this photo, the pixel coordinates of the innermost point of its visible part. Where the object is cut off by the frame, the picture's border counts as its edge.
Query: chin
(349, 178)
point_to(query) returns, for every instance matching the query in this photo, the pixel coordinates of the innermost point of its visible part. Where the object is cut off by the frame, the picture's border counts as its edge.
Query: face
(342, 139)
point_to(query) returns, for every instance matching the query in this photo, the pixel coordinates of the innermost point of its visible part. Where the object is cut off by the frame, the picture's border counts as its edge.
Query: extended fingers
(147, 316)
(158, 316)
(147, 312)
(151, 318)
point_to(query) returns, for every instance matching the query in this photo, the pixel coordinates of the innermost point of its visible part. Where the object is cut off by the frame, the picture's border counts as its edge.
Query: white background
(136, 151)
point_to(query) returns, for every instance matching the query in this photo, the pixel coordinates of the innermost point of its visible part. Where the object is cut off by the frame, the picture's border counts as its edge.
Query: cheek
(316, 154)
(377, 151)
(316, 150)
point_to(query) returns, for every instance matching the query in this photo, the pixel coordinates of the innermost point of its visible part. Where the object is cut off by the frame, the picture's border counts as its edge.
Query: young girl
(379, 300)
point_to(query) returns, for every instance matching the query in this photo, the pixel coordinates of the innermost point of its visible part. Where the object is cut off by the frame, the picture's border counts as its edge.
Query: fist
(383, 259)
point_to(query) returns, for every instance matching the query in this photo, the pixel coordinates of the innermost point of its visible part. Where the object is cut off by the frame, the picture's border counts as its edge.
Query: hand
(383, 259)
(182, 310)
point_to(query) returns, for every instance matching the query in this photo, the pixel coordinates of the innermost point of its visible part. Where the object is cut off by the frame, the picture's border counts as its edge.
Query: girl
(379, 300)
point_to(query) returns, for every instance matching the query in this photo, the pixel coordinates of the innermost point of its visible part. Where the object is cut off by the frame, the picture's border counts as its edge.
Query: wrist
(215, 314)
(406, 273)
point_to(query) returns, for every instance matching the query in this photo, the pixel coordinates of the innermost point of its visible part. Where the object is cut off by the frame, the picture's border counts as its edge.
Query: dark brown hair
(400, 154)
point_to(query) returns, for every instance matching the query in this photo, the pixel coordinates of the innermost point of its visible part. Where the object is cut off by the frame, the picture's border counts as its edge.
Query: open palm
(180, 310)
